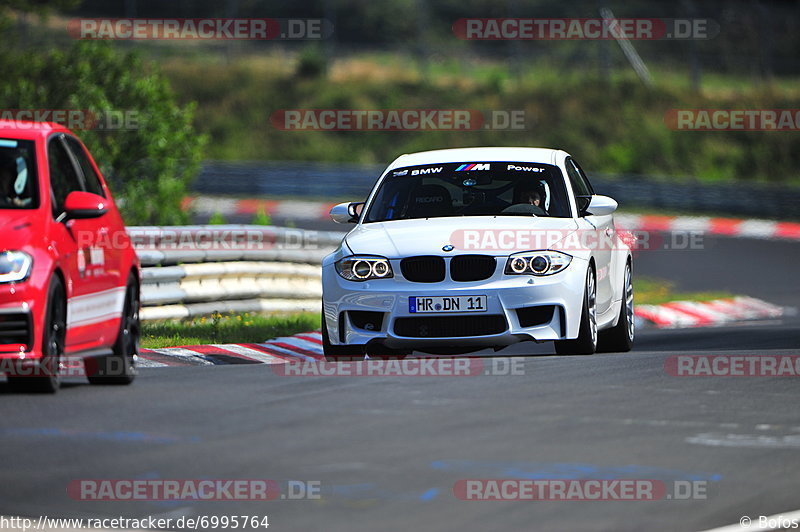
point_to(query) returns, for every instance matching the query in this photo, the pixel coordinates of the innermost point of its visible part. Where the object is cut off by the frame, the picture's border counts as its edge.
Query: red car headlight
(15, 266)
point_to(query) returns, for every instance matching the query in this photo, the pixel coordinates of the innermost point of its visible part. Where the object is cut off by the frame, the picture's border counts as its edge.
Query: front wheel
(47, 379)
(619, 338)
(586, 343)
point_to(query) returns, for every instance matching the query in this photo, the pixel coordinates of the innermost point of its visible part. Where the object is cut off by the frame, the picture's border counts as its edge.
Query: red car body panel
(93, 256)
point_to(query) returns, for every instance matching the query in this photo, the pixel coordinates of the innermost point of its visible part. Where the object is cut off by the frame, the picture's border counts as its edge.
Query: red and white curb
(315, 210)
(733, 227)
(308, 346)
(304, 346)
(682, 314)
(294, 209)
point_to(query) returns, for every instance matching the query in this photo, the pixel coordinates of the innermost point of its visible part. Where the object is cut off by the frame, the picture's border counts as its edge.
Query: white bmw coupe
(462, 249)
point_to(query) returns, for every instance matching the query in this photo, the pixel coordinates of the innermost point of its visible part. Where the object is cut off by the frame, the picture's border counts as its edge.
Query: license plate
(420, 305)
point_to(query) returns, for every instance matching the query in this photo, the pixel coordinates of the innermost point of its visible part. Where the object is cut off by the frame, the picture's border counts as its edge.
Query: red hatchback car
(69, 277)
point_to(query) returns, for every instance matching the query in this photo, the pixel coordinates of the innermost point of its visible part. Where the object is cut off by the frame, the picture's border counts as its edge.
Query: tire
(586, 342)
(619, 339)
(53, 343)
(120, 367)
(335, 353)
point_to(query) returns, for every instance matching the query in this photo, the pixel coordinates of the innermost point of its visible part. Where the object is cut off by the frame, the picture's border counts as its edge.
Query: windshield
(470, 189)
(17, 174)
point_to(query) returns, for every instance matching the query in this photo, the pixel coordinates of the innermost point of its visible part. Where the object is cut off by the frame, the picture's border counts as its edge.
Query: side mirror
(81, 205)
(601, 206)
(347, 213)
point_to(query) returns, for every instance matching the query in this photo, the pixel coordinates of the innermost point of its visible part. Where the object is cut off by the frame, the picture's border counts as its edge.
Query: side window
(90, 177)
(18, 176)
(580, 185)
(582, 175)
(63, 176)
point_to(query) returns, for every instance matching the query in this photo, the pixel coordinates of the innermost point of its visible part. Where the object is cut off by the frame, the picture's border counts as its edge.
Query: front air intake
(450, 326)
(464, 268)
(533, 316)
(15, 328)
(423, 269)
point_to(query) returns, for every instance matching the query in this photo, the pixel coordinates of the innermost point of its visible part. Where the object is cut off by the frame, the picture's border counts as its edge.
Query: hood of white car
(500, 235)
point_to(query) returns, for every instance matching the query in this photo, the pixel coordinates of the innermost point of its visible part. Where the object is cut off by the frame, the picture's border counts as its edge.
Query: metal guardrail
(739, 200)
(336, 180)
(159, 246)
(286, 178)
(193, 271)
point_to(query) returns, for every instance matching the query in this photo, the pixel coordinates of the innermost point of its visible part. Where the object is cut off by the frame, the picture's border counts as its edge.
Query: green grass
(255, 328)
(225, 329)
(649, 291)
(613, 128)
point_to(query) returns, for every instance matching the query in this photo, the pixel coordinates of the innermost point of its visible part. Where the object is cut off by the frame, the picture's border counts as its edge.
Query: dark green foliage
(151, 160)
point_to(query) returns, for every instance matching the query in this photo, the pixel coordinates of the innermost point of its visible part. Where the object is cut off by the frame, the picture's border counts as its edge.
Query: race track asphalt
(387, 451)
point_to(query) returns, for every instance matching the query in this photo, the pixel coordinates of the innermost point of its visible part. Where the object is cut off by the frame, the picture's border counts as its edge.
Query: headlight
(14, 266)
(537, 263)
(364, 268)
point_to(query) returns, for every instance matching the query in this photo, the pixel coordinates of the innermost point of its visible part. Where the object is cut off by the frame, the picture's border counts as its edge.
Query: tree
(150, 161)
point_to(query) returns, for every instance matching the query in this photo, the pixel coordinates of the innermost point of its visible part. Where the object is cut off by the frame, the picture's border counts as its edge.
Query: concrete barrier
(191, 271)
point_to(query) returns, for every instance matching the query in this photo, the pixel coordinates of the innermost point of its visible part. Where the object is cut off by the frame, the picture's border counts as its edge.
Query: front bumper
(519, 308)
(18, 313)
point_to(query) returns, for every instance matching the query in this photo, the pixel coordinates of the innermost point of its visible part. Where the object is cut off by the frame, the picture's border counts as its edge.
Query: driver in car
(527, 200)
(8, 176)
(532, 197)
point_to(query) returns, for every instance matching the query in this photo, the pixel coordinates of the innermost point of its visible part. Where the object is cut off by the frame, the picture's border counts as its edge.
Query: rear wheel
(335, 353)
(586, 343)
(46, 378)
(120, 366)
(620, 337)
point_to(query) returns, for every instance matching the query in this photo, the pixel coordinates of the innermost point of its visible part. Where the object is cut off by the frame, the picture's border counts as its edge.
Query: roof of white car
(458, 155)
